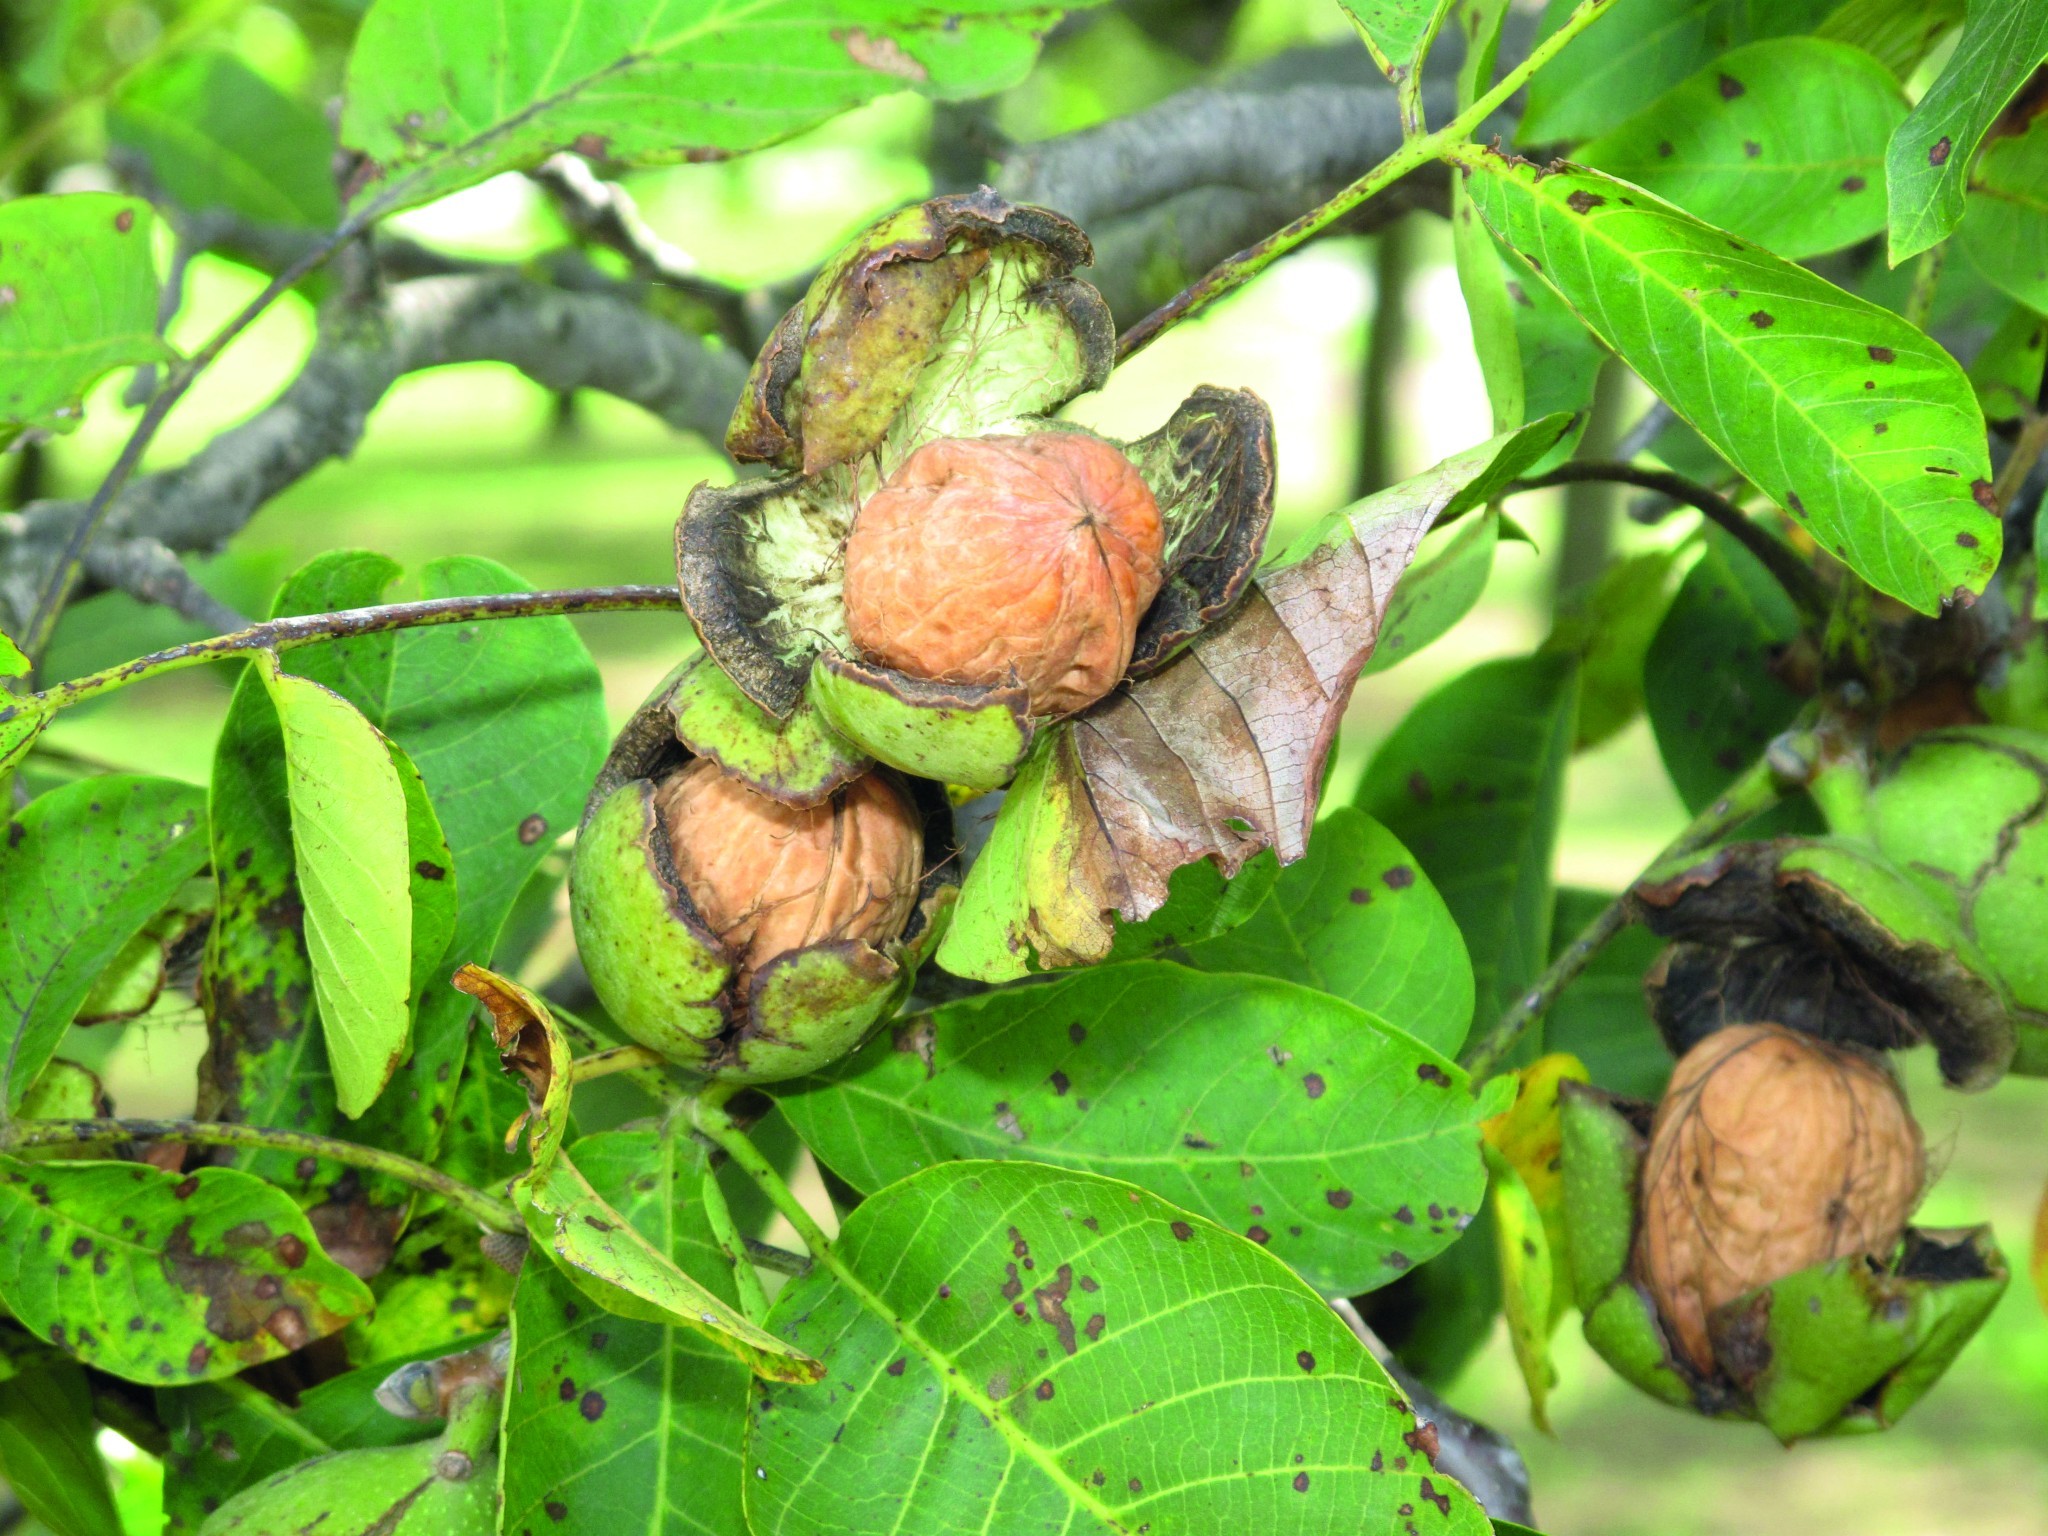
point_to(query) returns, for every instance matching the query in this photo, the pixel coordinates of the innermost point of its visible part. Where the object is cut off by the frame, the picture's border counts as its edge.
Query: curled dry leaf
(1218, 754)
(532, 1047)
(1823, 936)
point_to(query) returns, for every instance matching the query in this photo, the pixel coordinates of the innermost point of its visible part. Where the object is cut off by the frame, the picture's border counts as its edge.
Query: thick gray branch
(1169, 192)
(564, 341)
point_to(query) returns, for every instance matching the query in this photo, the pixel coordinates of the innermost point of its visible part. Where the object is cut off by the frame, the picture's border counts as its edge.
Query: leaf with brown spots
(614, 1264)
(165, 1280)
(82, 870)
(1786, 404)
(619, 1424)
(1928, 164)
(434, 114)
(1217, 756)
(1769, 162)
(77, 298)
(1162, 1373)
(1254, 1101)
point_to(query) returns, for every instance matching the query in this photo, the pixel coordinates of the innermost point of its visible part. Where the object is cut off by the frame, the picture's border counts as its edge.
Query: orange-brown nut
(988, 559)
(1772, 1152)
(768, 878)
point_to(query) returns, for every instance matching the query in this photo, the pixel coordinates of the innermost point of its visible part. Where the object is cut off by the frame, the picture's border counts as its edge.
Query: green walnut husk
(1823, 935)
(958, 318)
(442, 1487)
(661, 973)
(1843, 1347)
(1965, 814)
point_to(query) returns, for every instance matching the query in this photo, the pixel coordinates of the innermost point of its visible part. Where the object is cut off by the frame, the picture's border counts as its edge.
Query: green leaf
(349, 848)
(1852, 419)
(223, 1440)
(436, 107)
(77, 298)
(1034, 1350)
(1472, 782)
(14, 661)
(1200, 904)
(668, 1407)
(1608, 626)
(1601, 1018)
(158, 1278)
(1441, 590)
(1897, 33)
(48, 1449)
(1709, 686)
(611, 1262)
(2005, 218)
(1355, 919)
(1928, 162)
(505, 721)
(2006, 371)
(1781, 142)
(1640, 49)
(1527, 1282)
(64, 1091)
(82, 869)
(215, 134)
(1397, 33)
(1348, 1148)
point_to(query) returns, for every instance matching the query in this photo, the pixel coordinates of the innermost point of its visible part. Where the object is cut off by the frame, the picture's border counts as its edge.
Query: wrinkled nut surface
(768, 878)
(983, 559)
(1772, 1152)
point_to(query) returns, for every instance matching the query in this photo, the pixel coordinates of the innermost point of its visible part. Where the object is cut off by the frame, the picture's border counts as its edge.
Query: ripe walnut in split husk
(940, 567)
(1771, 1152)
(1824, 936)
(1965, 814)
(1743, 1251)
(742, 936)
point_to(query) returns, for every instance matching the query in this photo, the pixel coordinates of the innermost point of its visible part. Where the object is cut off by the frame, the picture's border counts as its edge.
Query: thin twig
(2026, 453)
(1926, 277)
(309, 629)
(1233, 273)
(1808, 593)
(63, 577)
(1759, 788)
(491, 1211)
(618, 1058)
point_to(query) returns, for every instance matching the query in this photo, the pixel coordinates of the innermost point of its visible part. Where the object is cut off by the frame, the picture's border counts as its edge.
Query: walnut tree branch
(563, 341)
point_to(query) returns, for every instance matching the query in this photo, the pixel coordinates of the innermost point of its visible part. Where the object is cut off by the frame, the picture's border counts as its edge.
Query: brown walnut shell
(1772, 1152)
(768, 878)
(992, 559)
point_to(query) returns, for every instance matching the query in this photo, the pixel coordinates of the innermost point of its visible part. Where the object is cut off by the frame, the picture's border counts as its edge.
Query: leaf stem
(1233, 272)
(725, 1132)
(1756, 790)
(618, 1058)
(1808, 593)
(746, 1282)
(489, 1210)
(309, 629)
(1926, 276)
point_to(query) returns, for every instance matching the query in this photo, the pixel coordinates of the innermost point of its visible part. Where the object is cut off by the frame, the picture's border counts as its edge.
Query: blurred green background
(477, 460)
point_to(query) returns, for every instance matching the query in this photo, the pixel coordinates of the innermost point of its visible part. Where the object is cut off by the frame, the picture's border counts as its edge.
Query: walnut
(768, 878)
(997, 559)
(1772, 1152)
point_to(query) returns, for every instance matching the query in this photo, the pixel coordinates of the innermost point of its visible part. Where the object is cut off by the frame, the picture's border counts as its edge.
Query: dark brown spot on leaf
(1982, 492)
(1399, 878)
(1763, 320)
(1730, 87)
(1853, 183)
(1584, 202)
(1882, 354)
(1312, 1084)
(533, 829)
(124, 220)
(895, 1367)
(1751, 148)
(1305, 1360)
(1043, 1391)
(1664, 149)
(592, 1406)
(1422, 1438)
(1301, 1482)
(1258, 1235)
(1967, 540)
(1360, 896)
(1182, 1231)
(1340, 1199)
(1051, 1301)
(1938, 154)
(1430, 1072)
